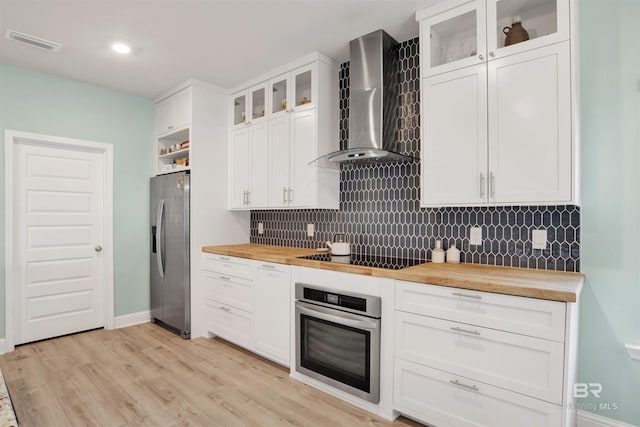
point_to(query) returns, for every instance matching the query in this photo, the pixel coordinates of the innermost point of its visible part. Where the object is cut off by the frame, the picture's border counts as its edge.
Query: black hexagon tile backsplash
(380, 206)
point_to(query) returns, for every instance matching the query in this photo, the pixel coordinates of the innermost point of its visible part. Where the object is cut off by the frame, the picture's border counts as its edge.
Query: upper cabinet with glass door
(249, 106)
(293, 91)
(466, 32)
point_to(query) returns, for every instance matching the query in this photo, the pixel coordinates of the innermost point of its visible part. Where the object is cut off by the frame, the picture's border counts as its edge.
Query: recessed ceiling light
(121, 48)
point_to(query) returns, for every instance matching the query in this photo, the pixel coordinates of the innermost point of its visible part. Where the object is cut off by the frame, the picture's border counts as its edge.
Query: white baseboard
(589, 419)
(132, 319)
(3, 347)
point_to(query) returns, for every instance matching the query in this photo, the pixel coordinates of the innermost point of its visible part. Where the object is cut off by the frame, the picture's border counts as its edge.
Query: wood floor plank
(146, 376)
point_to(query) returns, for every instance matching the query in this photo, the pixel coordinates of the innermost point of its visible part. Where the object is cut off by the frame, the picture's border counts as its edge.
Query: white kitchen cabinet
(173, 112)
(460, 33)
(462, 355)
(443, 399)
(301, 122)
(272, 312)
(248, 181)
(249, 106)
(496, 120)
(249, 303)
(454, 137)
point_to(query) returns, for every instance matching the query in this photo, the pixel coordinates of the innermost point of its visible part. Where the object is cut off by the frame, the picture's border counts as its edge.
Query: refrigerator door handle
(159, 237)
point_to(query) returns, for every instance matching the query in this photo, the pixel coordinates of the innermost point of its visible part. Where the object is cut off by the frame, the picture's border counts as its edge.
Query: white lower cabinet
(443, 399)
(248, 303)
(469, 358)
(272, 311)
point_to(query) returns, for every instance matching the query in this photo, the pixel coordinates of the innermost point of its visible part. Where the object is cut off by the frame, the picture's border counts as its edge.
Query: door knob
(98, 248)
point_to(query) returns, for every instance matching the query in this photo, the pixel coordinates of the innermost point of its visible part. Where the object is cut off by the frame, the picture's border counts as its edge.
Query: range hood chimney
(373, 103)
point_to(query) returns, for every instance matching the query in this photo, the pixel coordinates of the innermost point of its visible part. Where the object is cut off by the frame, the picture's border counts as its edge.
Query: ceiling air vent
(33, 41)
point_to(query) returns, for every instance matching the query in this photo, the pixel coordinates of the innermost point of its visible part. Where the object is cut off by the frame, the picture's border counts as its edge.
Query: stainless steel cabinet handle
(224, 278)
(268, 266)
(492, 185)
(98, 248)
(224, 308)
(481, 57)
(284, 194)
(248, 199)
(169, 127)
(481, 185)
(470, 387)
(491, 54)
(466, 331)
(223, 258)
(460, 294)
(290, 195)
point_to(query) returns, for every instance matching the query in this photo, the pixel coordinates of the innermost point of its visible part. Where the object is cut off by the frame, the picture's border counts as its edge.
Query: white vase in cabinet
(173, 112)
(248, 167)
(460, 33)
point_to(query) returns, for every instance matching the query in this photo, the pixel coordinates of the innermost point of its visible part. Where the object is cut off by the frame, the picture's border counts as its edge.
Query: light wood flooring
(143, 375)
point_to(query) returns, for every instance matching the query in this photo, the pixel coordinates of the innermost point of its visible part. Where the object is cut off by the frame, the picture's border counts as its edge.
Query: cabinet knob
(169, 127)
(491, 54)
(481, 57)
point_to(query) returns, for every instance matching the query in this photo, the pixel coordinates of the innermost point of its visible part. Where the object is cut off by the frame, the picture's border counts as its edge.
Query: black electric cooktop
(366, 260)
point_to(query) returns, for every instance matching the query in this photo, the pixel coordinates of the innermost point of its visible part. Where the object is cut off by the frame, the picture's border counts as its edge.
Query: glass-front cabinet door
(239, 109)
(456, 37)
(279, 93)
(303, 87)
(518, 25)
(258, 98)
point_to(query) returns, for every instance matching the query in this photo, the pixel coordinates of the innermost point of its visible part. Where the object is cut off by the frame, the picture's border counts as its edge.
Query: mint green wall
(610, 117)
(42, 103)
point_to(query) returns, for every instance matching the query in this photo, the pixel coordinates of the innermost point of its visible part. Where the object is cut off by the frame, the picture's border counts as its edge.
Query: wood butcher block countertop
(542, 284)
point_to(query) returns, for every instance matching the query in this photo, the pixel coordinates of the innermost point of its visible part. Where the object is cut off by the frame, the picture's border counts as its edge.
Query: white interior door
(59, 230)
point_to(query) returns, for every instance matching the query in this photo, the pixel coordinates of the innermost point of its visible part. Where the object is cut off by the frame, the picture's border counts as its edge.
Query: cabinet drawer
(436, 397)
(227, 265)
(230, 323)
(234, 291)
(527, 365)
(526, 316)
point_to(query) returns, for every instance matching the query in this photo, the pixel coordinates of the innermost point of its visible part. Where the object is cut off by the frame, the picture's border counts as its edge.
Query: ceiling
(223, 42)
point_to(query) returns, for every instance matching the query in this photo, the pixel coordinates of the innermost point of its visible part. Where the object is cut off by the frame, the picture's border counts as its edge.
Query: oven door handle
(346, 319)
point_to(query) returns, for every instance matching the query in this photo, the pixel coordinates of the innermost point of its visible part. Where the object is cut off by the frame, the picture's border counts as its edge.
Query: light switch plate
(539, 239)
(475, 236)
(311, 229)
(260, 228)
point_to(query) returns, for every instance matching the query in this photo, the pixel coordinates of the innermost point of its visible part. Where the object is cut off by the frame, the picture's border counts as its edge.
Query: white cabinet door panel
(303, 151)
(527, 365)
(444, 399)
(279, 139)
(239, 167)
(454, 145)
(230, 323)
(233, 291)
(526, 316)
(272, 311)
(258, 152)
(228, 266)
(530, 126)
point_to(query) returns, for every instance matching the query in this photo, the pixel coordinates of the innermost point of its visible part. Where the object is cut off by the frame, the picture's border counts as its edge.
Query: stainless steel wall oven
(338, 339)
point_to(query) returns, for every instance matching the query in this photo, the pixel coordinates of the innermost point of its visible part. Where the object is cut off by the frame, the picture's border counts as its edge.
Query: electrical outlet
(260, 228)
(539, 239)
(475, 236)
(311, 229)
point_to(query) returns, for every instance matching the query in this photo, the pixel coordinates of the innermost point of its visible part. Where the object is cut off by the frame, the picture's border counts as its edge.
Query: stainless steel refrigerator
(170, 283)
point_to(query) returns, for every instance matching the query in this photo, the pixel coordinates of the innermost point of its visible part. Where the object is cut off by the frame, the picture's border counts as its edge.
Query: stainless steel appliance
(170, 282)
(338, 339)
(374, 103)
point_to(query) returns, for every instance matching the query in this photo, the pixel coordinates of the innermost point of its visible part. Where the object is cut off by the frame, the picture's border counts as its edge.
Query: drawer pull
(268, 266)
(222, 258)
(470, 387)
(224, 308)
(466, 331)
(460, 294)
(225, 278)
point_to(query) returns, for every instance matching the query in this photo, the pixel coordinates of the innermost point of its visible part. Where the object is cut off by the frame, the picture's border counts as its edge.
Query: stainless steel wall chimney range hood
(373, 102)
